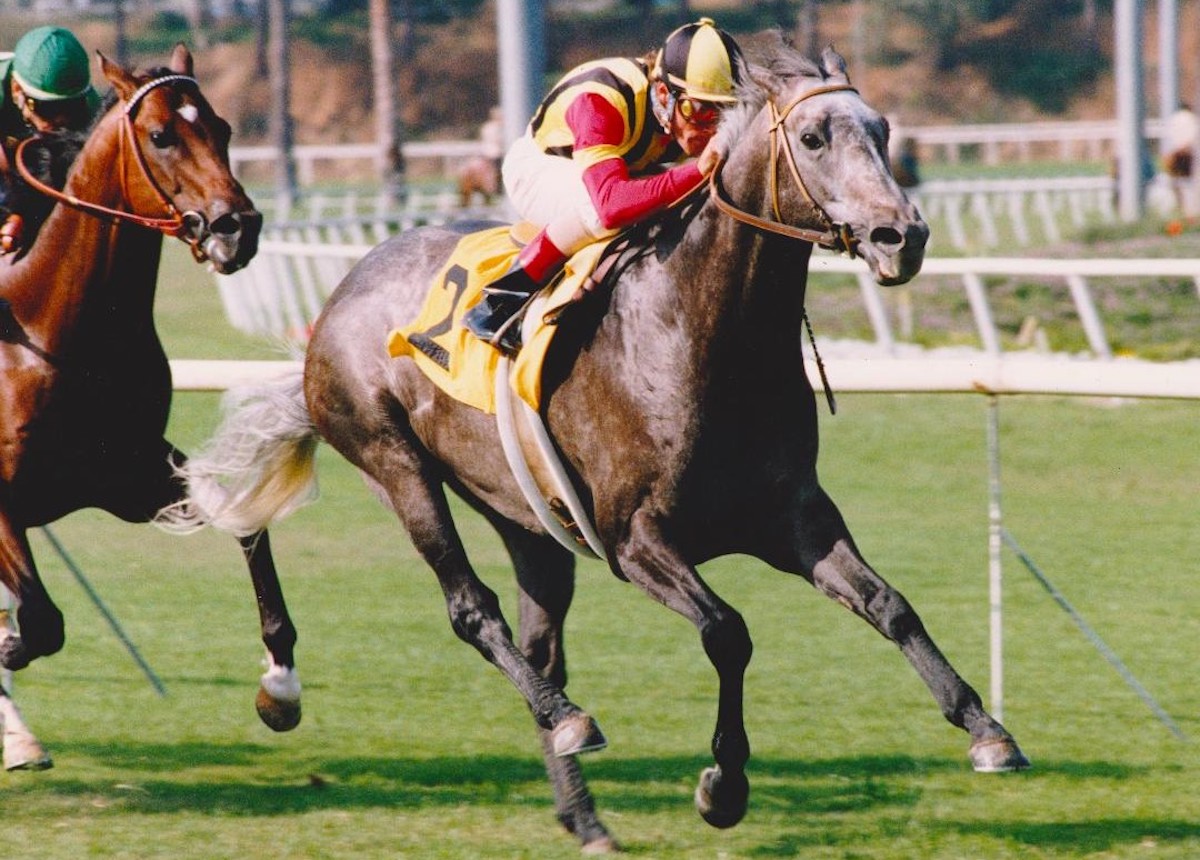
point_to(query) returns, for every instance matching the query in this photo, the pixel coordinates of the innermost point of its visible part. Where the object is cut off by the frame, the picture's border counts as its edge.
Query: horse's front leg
(649, 560)
(278, 700)
(40, 629)
(22, 750)
(822, 550)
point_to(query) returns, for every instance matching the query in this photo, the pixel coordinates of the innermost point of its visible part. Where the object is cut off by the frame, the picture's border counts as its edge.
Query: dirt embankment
(448, 77)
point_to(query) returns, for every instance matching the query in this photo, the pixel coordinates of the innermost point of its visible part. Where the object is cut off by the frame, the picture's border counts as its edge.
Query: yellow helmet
(700, 61)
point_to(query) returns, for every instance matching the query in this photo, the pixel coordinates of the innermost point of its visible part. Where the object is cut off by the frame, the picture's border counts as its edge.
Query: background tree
(282, 131)
(388, 129)
(941, 20)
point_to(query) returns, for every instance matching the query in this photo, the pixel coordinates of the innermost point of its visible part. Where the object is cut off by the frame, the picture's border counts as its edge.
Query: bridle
(835, 236)
(188, 226)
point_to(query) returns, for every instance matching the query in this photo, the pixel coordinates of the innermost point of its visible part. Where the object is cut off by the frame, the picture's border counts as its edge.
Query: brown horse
(84, 382)
(479, 175)
(683, 415)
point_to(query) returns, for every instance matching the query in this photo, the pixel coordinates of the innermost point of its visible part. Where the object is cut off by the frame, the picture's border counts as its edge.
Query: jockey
(45, 85)
(587, 165)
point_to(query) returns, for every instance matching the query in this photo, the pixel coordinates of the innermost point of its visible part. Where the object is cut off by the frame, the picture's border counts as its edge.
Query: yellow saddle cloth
(457, 361)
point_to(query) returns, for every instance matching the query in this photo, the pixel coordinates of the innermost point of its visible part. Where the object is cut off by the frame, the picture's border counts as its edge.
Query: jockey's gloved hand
(11, 233)
(713, 154)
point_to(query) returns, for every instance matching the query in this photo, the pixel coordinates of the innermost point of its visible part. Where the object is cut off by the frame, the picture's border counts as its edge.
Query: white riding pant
(548, 190)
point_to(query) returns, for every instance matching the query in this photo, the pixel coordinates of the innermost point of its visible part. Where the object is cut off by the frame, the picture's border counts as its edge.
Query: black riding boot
(492, 318)
(502, 300)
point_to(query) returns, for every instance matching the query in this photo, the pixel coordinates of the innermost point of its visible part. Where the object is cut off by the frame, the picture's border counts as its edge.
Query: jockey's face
(42, 116)
(692, 123)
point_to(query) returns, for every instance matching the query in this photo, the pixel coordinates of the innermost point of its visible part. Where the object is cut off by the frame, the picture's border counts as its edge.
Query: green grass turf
(411, 746)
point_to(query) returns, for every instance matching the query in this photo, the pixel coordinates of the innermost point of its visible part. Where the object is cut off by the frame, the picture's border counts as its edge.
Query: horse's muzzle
(895, 252)
(230, 241)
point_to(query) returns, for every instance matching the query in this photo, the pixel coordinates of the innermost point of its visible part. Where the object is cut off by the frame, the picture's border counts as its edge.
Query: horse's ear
(181, 60)
(833, 65)
(120, 78)
(765, 78)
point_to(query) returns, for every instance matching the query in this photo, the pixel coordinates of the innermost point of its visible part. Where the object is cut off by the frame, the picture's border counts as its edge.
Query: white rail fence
(996, 143)
(282, 291)
(991, 375)
(972, 215)
(985, 214)
(1071, 274)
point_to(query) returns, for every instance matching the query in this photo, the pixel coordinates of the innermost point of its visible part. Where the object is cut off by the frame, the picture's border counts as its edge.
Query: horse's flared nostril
(227, 225)
(886, 236)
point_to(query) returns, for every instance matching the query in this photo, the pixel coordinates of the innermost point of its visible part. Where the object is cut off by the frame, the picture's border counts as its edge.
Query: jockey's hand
(11, 232)
(712, 155)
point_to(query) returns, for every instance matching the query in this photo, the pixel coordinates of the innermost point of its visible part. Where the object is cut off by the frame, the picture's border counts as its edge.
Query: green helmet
(50, 65)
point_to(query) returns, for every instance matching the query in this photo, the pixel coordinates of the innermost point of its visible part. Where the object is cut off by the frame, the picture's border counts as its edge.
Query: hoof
(576, 734)
(23, 752)
(13, 653)
(998, 755)
(279, 714)
(603, 845)
(720, 800)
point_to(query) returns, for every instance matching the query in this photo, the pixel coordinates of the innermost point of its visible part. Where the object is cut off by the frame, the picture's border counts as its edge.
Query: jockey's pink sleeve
(621, 200)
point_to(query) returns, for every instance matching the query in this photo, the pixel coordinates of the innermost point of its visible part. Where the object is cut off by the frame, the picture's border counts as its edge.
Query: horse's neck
(735, 283)
(77, 254)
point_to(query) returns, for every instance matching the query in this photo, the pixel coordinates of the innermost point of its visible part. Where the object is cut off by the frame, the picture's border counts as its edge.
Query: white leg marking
(281, 683)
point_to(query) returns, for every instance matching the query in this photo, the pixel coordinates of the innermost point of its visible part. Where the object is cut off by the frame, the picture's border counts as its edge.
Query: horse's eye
(163, 138)
(811, 141)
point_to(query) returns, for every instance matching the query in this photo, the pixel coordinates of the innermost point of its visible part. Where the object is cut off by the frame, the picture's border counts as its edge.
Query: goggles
(698, 113)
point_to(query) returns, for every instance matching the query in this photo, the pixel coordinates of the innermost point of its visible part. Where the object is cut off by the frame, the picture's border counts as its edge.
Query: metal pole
(521, 48)
(1168, 57)
(108, 616)
(995, 544)
(1130, 109)
(1095, 639)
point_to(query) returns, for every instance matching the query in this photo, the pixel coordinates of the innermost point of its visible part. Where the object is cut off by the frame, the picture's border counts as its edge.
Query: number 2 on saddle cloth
(456, 361)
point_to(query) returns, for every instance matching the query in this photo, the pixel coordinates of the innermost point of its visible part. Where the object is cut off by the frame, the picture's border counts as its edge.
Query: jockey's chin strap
(836, 237)
(187, 225)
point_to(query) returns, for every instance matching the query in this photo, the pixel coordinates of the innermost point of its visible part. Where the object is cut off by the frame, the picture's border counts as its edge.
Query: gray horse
(682, 412)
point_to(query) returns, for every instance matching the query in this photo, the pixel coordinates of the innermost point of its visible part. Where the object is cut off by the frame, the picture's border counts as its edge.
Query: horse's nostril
(886, 236)
(227, 225)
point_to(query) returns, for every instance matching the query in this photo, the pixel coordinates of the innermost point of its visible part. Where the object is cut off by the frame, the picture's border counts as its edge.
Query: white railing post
(1088, 316)
(982, 311)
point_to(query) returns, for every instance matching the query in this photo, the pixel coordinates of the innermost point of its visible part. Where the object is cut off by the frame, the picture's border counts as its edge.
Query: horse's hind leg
(546, 578)
(825, 553)
(151, 484)
(278, 701)
(417, 497)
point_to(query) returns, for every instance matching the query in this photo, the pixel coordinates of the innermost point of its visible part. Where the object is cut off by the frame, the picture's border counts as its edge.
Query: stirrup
(507, 337)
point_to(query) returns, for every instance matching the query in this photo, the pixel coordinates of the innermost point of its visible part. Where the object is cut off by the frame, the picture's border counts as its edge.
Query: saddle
(461, 364)
(474, 372)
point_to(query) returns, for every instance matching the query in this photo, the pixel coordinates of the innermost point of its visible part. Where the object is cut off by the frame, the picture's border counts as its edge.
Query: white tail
(256, 469)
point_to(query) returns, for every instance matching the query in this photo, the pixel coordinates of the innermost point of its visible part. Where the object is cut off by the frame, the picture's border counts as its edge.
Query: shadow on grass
(825, 801)
(1098, 835)
(180, 777)
(633, 784)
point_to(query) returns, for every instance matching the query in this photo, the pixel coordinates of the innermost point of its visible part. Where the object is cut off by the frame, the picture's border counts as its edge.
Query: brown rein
(836, 237)
(175, 222)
